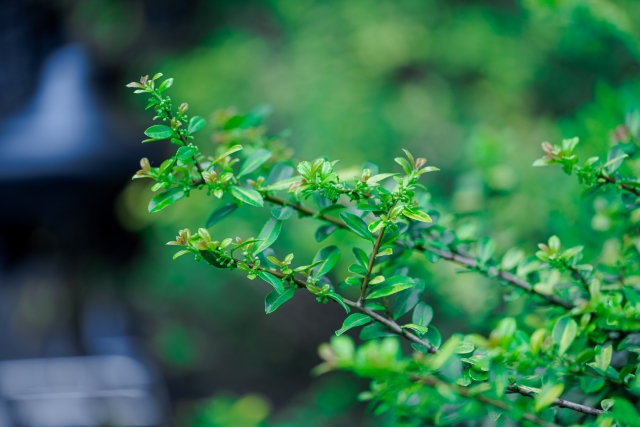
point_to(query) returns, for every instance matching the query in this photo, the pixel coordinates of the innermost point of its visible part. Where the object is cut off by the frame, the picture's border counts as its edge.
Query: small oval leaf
(221, 213)
(247, 195)
(329, 257)
(268, 235)
(195, 124)
(272, 280)
(159, 132)
(254, 161)
(356, 224)
(162, 200)
(564, 332)
(356, 319)
(275, 299)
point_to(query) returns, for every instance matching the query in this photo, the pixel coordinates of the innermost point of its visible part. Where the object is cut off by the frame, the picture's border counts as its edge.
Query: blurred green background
(475, 86)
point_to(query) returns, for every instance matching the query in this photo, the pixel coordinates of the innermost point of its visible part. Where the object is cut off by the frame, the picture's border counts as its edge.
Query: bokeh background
(99, 327)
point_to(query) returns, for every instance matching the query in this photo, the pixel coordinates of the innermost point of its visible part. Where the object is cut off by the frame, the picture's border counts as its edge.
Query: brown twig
(372, 260)
(562, 403)
(434, 382)
(493, 271)
(375, 316)
(627, 187)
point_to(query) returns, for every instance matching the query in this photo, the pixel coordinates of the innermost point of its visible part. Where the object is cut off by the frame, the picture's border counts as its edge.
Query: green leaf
(376, 280)
(422, 314)
(603, 357)
(417, 328)
(385, 252)
(607, 404)
(185, 153)
(180, 253)
(254, 161)
(433, 336)
(282, 213)
(211, 259)
(158, 132)
(465, 347)
(376, 330)
(221, 213)
(282, 185)
(280, 172)
(625, 413)
(358, 269)
(195, 124)
(391, 286)
(272, 280)
(268, 235)
(356, 319)
(356, 224)
(162, 200)
(614, 159)
(512, 258)
(361, 257)
(324, 231)
(407, 299)
(404, 163)
(165, 85)
(416, 214)
(546, 396)
(564, 332)
(329, 257)
(275, 299)
(505, 331)
(486, 248)
(377, 178)
(230, 151)
(591, 384)
(247, 195)
(448, 349)
(338, 298)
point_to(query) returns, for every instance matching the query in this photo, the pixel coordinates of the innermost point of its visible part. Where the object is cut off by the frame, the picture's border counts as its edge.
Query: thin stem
(627, 187)
(432, 349)
(576, 274)
(375, 316)
(186, 142)
(494, 272)
(372, 260)
(434, 382)
(562, 403)
(447, 255)
(305, 210)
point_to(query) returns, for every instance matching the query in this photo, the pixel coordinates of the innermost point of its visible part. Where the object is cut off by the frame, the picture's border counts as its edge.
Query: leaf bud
(204, 234)
(145, 165)
(210, 177)
(547, 148)
(366, 174)
(420, 161)
(144, 79)
(183, 108)
(226, 177)
(201, 245)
